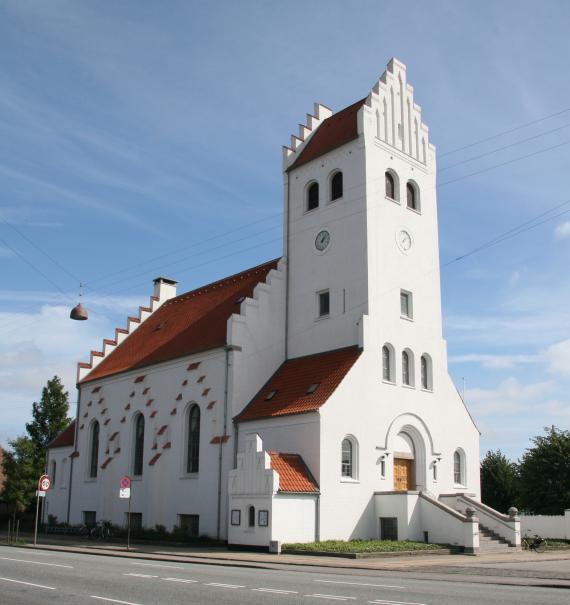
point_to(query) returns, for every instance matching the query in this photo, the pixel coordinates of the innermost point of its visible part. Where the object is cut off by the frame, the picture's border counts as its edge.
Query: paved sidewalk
(523, 568)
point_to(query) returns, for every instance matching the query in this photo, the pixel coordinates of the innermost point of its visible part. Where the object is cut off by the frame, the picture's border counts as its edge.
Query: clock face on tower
(404, 240)
(322, 240)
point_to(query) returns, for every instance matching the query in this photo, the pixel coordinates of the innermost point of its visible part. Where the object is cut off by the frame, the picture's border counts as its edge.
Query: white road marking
(359, 584)
(385, 602)
(157, 565)
(331, 596)
(139, 575)
(224, 585)
(179, 580)
(35, 562)
(28, 584)
(113, 600)
(275, 590)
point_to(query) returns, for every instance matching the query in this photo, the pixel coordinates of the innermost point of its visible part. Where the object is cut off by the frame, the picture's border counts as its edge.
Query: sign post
(43, 485)
(125, 492)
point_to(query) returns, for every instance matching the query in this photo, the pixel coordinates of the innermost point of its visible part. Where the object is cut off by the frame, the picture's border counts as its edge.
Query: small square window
(324, 303)
(406, 309)
(190, 524)
(89, 517)
(388, 528)
(270, 395)
(135, 520)
(312, 388)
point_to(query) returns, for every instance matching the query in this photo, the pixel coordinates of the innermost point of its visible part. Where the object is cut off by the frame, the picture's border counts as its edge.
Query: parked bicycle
(101, 531)
(535, 543)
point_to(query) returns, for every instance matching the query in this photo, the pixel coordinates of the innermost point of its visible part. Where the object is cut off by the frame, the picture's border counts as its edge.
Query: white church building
(307, 398)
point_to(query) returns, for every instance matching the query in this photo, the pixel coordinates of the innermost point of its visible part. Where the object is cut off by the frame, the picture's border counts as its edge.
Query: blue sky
(140, 129)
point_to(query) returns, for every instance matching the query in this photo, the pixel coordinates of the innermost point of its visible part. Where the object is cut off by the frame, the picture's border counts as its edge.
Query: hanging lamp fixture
(79, 312)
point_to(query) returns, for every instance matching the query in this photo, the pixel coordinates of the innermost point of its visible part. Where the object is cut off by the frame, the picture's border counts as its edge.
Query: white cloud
(496, 361)
(558, 356)
(562, 231)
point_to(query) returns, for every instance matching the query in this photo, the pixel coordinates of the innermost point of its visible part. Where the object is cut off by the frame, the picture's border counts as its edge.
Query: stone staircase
(491, 542)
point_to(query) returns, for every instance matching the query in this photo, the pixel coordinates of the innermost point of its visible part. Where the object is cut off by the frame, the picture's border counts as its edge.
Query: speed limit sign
(45, 483)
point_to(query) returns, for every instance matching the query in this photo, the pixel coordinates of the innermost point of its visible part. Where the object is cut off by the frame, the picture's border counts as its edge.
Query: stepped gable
(65, 438)
(294, 378)
(294, 476)
(190, 323)
(335, 131)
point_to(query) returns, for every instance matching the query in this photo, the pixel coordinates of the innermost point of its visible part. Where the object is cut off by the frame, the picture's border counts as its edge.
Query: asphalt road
(29, 577)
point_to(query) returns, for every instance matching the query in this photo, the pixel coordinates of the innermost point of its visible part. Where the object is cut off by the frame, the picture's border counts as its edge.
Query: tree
(26, 459)
(545, 474)
(499, 481)
(49, 418)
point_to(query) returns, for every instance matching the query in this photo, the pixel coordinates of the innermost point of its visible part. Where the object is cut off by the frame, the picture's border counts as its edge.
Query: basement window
(240, 300)
(270, 395)
(313, 387)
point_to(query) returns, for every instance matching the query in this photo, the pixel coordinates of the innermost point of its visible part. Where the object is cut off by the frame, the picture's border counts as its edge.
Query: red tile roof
(294, 476)
(192, 322)
(65, 438)
(292, 380)
(335, 131)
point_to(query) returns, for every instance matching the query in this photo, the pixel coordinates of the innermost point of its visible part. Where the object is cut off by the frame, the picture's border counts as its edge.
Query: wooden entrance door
(403, 474)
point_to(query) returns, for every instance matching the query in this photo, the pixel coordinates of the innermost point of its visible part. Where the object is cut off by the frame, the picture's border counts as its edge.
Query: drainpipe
(72, 460)
(318, 518)
(287, 258)
(227, 349)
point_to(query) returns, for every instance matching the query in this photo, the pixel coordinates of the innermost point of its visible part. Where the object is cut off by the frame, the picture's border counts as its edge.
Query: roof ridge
(220, 282)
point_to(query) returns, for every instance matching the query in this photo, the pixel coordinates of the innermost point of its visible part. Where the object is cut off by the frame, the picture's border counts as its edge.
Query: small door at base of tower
(403, 474)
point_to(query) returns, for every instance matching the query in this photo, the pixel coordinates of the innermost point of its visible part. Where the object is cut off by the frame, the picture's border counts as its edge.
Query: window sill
(349, 480)
(405, 317)
(321, 317)
(426, 390)
(459, 486)
(90, 480)
(409, 386)
(309, 210)
(190, 476)
(336, 199)
(391, 199)
(414, 210)
(136, 477)
(390, 382)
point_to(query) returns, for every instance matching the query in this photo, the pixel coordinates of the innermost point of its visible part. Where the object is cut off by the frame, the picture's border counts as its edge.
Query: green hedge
(357, 546)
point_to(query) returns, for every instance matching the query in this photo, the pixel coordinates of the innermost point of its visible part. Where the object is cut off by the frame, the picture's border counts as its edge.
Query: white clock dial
(404, 240)
(322, 240)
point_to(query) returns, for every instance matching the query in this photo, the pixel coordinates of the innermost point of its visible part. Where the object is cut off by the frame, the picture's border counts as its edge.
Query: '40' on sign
(45, 483)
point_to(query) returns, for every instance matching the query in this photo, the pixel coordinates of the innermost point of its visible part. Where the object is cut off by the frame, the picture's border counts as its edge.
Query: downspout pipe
(73, 458)
(227, 349)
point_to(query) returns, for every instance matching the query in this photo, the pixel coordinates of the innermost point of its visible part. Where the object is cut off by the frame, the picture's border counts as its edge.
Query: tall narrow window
(193, 452)
(406, 368)
(411, 197)
(426, 373)
(386, 363)
(346, 465)
(138, 446)
(457, 470)
(406, 304)
(324, 303)
(336, 186)
(390, 186)
(251, 516)
(313, 196)
(53, 471)
(94, 453)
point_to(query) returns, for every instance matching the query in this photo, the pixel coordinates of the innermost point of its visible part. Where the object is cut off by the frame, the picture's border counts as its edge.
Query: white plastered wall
(57, 496)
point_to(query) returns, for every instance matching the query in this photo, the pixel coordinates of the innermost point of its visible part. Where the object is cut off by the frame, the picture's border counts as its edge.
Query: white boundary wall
(547, 526)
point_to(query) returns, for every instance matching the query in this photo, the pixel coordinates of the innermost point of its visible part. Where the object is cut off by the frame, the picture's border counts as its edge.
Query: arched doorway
(404, 463)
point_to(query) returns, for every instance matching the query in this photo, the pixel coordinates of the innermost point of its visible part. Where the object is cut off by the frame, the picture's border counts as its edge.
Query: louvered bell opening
(79, 312)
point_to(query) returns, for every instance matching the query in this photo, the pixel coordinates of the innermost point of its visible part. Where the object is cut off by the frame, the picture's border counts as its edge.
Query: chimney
(164, 288)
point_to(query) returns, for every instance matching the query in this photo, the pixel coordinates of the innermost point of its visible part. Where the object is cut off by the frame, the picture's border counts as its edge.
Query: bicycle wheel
(541, 546)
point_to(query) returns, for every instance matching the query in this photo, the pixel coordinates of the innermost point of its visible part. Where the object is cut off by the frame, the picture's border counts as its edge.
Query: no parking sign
(125, 487)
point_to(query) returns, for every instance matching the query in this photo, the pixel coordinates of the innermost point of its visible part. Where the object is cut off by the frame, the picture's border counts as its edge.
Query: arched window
(390, 186)
(251, 516)
(336, 186)
(94, 453)
(387, 364)
(138, 450)
(405, 368)
(53, 471)
(426, 372)
(193, 448)
(346, 458)
(458, 468)
(313, 196)
(411, 197)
